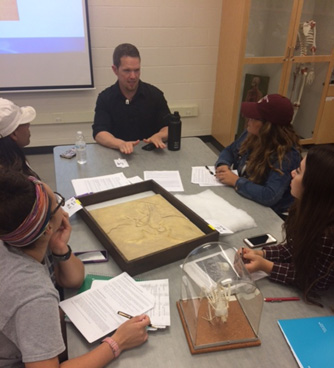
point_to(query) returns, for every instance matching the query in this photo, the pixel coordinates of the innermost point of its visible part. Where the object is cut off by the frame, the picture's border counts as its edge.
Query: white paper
(170, 180)
(202, 176)
(99, 183)
(72, 206)
(94, 312)
(219, 227)
(160, 313)
(135, 179)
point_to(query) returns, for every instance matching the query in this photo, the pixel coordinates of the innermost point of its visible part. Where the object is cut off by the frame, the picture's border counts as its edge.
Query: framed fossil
(143, 226)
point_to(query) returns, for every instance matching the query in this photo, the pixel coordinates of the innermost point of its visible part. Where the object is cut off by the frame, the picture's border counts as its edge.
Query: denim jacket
(275, 191)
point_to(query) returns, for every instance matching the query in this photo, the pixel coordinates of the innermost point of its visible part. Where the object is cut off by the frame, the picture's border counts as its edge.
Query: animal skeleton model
(304, 72)
(218, 298)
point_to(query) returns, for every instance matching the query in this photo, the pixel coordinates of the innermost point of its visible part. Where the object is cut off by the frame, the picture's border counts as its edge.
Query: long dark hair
(312, 216)
(12, 157)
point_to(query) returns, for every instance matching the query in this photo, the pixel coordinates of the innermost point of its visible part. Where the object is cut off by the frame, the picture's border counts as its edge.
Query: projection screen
(44, 45)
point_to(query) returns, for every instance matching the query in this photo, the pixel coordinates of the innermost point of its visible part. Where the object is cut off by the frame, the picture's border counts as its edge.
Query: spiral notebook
(311, 340)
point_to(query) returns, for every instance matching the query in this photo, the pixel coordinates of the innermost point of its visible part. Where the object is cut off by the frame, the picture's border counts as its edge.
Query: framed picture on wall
(255, 87)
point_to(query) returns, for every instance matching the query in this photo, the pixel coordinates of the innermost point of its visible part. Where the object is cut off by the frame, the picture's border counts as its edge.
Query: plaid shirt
(284, 270)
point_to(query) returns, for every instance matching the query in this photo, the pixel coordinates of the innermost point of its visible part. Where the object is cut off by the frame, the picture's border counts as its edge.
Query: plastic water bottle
(80, 147)
(174, 132)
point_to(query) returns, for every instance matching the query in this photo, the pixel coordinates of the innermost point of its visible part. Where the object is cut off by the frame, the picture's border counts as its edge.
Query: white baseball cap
(11, 116)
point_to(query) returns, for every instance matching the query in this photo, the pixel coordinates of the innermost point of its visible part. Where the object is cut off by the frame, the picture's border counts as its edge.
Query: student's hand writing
(132, 332)
(156, 140)
(127, 147)
(254, 260)
(226, 176)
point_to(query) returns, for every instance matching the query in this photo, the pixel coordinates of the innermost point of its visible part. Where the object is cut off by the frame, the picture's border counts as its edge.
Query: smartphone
(93, 256)
(149, 147)
(260, 240)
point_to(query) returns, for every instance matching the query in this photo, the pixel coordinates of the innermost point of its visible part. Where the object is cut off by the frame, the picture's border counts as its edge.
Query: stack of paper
(94, 312)
(99, 183)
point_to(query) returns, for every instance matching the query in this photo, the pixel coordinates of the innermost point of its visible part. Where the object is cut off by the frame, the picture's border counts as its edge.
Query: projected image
(42, 26)
(44, 45)
(8, 10)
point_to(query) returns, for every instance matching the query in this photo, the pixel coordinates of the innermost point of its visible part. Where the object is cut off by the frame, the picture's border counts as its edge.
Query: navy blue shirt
(140, 118)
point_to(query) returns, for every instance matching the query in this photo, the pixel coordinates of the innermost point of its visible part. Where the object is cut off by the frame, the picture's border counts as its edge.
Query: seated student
(130, 110)
(14, 135)
(306, 258)
(33, 225)
(264, 155)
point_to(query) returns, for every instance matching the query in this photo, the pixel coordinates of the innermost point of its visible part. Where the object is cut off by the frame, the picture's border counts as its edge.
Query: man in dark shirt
(130, 110)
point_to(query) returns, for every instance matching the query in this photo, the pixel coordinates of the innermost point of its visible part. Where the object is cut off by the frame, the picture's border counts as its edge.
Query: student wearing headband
(14, 135)
(264, 155)
(33, 225)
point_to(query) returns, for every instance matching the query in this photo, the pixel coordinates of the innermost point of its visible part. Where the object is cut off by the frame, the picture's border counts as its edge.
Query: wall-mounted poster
(255, 87)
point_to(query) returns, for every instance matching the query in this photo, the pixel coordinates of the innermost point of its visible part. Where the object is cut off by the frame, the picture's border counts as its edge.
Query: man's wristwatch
(63, 257)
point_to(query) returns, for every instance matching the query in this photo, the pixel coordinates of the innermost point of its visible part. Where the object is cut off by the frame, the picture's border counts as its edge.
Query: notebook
(311, 340)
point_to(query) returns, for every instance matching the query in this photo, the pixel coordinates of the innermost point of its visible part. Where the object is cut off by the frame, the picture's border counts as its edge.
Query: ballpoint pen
(288, 299)
(128, 316)
(207, 167)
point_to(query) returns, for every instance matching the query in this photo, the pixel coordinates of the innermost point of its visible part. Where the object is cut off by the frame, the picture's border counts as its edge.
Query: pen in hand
(128, 316)
(212, 173)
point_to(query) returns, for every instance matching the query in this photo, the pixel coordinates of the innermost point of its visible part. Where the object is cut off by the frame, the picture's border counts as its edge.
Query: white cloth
(209, 205)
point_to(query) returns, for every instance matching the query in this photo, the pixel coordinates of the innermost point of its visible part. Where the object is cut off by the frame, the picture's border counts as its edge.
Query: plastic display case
(220, 305)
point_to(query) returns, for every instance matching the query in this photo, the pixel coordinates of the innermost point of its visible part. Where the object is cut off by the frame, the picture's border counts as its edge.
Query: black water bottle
(174, 132)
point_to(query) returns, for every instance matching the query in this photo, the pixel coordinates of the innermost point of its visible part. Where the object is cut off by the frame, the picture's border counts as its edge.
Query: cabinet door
(305, 41)
(259, 40)
(271, 29)
(309, 76)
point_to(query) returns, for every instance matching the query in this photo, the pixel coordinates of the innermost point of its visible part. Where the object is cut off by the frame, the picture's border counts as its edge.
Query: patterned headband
(35, 223)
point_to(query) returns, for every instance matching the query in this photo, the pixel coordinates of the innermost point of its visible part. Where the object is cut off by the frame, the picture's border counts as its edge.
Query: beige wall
(178, 42)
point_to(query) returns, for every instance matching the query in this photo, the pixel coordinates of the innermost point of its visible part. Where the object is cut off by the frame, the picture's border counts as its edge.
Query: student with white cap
(14, 135)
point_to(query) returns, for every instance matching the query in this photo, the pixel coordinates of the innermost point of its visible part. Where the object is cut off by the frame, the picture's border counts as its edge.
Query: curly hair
(271, 145)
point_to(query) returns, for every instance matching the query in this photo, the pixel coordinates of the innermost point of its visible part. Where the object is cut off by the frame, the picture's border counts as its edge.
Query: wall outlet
(185, 111)
(58, 117)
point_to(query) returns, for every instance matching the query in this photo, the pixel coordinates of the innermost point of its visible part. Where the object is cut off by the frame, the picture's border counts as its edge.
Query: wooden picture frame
(154, 259)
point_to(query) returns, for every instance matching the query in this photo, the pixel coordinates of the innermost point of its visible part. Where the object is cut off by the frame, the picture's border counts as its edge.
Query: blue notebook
(311, 340)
